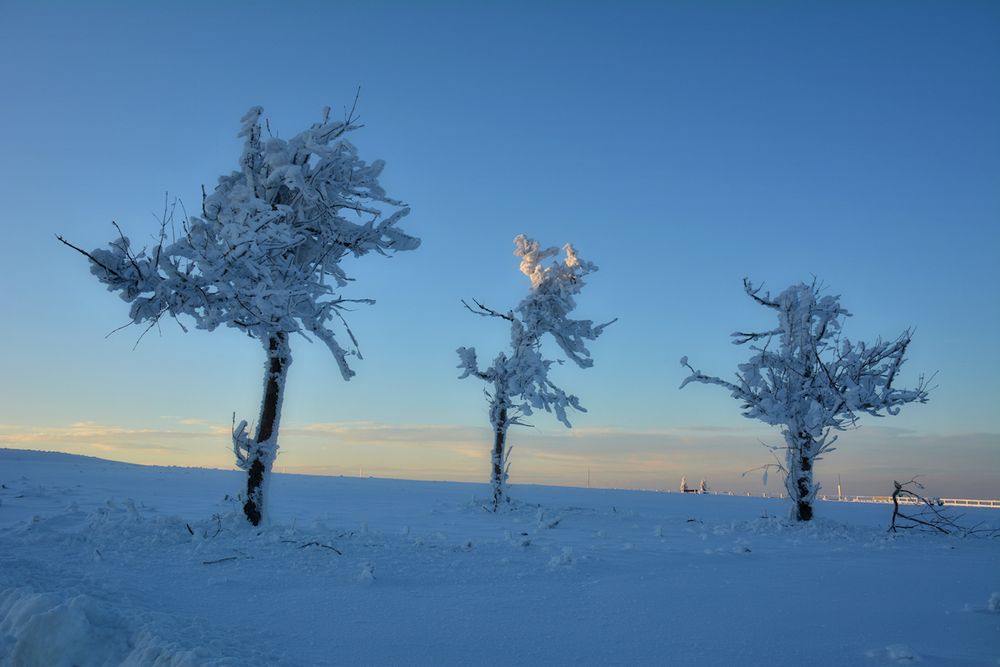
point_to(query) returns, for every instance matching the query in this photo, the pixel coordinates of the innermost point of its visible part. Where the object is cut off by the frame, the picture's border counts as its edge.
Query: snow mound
(564, 559)
(80, 631)
(900, 654)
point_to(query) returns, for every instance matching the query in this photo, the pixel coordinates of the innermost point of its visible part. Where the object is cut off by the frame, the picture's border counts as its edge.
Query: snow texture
(375, 571)
(899, 654)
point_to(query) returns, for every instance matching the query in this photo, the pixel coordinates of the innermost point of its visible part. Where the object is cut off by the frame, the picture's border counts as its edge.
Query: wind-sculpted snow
(146, 565)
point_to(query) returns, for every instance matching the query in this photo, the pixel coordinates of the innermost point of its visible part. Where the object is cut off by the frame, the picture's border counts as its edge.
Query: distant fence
(955, 502)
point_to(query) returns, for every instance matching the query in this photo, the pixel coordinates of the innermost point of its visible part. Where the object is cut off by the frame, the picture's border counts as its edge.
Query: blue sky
(680, 146)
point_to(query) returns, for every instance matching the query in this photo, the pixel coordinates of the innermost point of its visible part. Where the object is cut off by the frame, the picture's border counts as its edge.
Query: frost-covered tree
(519, 378)
(265, 257)
(808, 379)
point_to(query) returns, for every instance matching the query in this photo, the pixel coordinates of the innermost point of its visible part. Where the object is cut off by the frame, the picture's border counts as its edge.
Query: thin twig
(325, 546)
(484, 311)
(90, 257)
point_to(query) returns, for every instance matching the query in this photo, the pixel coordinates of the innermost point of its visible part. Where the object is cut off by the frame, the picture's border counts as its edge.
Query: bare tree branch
(90, 257)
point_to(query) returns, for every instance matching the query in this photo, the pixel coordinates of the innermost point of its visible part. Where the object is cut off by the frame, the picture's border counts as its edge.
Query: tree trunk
(895, 504)
(799, 483)
(498, 474)
(279, 358)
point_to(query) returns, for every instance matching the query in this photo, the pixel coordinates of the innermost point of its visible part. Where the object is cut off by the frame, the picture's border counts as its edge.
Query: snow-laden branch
(553, 288)
(470, 364)
(268, 246)
(523, 373)
(802, 375)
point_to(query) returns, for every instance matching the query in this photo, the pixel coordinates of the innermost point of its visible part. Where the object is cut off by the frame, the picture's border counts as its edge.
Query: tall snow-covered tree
(519, 378)
(265, 258)
(805, 377)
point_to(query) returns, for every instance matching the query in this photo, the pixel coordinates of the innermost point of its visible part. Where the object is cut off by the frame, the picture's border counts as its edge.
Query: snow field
(107, 563)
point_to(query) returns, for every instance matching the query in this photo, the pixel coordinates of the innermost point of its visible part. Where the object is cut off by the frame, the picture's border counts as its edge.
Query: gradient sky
(680, 146)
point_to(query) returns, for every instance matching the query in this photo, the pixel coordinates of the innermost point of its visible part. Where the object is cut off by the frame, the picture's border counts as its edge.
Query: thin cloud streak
(132, 445)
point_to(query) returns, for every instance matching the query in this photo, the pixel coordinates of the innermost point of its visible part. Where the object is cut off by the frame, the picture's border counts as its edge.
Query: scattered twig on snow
(218, 529)
(314, 544)
(325, 546)
(220, 560)
(929, 514)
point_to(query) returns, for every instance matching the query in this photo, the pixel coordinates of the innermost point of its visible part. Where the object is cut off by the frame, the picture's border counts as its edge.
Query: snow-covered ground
(103, 563)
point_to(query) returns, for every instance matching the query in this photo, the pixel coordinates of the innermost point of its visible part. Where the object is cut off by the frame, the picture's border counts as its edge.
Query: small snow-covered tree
(805, 377)
(265, 258)
(519, 378)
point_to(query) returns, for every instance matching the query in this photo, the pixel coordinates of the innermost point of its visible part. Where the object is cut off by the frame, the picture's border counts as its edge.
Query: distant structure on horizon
(702, 486)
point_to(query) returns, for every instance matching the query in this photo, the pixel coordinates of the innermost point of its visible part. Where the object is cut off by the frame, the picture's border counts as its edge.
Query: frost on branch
(265, 255)
(519, 378)
(806, 377)
(243, 445)
(553, 288)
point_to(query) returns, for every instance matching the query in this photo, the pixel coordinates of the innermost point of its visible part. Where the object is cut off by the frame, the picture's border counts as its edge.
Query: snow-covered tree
(808, 379)
(684, 485)
(519, 378)
(265, 257)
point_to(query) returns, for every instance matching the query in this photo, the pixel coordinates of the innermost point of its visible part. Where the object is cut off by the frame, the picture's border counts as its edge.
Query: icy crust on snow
(350, 570)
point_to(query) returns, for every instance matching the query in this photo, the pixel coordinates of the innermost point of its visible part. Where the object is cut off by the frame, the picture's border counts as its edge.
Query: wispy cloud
(374, 432)
(138, 445)
(194, 422)
(83, 432)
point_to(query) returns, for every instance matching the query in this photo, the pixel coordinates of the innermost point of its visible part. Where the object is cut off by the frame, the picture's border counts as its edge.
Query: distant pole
(840, 495)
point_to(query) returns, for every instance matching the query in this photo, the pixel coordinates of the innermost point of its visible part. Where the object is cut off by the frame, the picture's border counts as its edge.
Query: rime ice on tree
(805, 377)
(264, 258)
(519, 378)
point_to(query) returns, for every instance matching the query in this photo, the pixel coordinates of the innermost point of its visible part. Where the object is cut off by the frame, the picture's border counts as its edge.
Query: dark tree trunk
(276, 370)
(498, 476)
(803, 503)
(895, 504)
(800, 474)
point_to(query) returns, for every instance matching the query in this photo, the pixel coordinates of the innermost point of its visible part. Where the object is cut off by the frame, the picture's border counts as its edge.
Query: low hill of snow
(104, 563)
